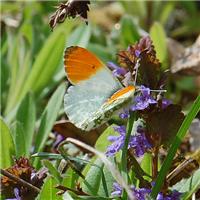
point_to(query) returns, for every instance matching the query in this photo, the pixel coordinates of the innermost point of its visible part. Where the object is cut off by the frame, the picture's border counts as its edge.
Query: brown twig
(19, 181)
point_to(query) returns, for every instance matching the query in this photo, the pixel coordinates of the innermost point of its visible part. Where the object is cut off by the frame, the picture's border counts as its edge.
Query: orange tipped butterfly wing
(95, 93)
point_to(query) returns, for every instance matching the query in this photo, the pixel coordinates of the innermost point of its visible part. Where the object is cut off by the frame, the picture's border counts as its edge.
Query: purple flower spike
(138, 142)
(117, 190)
(143, 100)
(117, 71)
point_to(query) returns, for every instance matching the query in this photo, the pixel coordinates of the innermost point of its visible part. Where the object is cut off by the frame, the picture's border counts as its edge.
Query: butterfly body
(95, 93)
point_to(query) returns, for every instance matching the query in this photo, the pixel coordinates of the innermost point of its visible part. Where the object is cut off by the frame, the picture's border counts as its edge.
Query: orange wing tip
(80, 64)
(120, 93)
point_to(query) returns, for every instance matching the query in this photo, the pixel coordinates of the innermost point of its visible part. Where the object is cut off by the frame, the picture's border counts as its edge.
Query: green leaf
(48, 117)
(19, 139)
(80, 36)
(158, 36)
(47, 61)
(188, 186)
(7, 146)
(26, 115)
(93, 178)
(52, 170)
(102, 142)
(106, 185)
(174, 146)
(48, 155)
(129, 31)
(146, 164)
(48, 190)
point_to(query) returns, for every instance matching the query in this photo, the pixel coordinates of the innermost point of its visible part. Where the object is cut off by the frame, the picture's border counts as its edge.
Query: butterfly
(95, 94)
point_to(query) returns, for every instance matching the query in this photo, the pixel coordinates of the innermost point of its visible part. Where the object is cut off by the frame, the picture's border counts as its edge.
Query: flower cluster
(142, 193)
(137, 142)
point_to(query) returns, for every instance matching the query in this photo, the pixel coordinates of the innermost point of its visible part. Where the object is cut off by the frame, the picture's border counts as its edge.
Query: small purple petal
(117, 190)
(124, 115)
(137, 53)
(143, 100)
(117, 71)
(112, 138)
(165, 103)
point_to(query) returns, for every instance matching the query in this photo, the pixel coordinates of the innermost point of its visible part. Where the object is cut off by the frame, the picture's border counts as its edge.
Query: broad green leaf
(6, 146)
(129, 31)
(106, 185)
(80, 36)
(26, 115)
(52, 170)
(93, 178)
(19, 139)
(48, 117)
(48, 191)
(188, 186)
(146, 164)
(47, 61)
(158, 36)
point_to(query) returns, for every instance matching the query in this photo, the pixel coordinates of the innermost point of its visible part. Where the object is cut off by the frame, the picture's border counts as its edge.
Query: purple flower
(165, 103)
(140, 193)
(174, 195)
(138, 142)
(124, 115)
(143, 100)
(59, 139)
(117, 71)
(118, 141)
(137, 53)
(117, 190)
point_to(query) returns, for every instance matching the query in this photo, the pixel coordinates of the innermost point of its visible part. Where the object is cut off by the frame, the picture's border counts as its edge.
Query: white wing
(83, 100)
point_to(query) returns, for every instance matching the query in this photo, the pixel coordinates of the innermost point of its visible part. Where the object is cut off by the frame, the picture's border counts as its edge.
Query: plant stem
(125, 148)
(175, 144)
(19, 181)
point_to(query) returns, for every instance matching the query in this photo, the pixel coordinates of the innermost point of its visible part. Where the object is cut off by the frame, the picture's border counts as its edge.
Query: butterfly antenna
(136, 71)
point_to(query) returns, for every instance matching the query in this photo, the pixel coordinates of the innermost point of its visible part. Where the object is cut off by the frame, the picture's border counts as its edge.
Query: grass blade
(48, 117)
(26, 115)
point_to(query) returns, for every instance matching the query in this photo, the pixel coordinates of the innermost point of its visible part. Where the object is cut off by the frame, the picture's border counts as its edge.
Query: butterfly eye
(62, 16)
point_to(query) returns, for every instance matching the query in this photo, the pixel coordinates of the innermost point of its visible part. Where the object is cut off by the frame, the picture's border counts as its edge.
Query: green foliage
(48, 117)
(26, 116)
(188, 186)
(7, 146)
(158, 36)
(98, 180)
(48, 190)
(19, 140)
